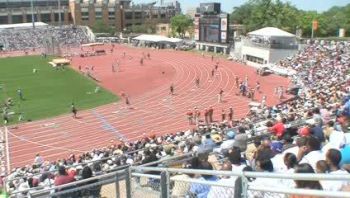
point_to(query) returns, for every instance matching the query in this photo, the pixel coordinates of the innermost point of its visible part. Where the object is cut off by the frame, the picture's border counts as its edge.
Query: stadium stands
(28, 38)
(318, 143)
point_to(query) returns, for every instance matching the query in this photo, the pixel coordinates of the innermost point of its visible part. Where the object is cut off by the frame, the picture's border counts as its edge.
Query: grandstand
(19, 37)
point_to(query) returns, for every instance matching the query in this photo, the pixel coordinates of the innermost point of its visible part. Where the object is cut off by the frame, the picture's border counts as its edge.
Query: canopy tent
(271, 32)
(156, 38)
(59, 62)
(22, 25)
(91, 44)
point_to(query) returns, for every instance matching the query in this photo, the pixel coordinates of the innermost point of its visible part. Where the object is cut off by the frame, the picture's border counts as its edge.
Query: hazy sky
(227, 5)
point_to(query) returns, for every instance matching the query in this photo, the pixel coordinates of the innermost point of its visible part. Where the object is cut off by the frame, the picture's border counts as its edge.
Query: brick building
(119, 13)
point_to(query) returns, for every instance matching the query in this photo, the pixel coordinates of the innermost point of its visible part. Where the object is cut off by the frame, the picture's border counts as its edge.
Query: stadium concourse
(152, 110)
(308, 134)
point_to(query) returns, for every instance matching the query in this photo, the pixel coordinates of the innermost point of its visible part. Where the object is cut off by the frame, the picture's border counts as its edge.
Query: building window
(3, 20)
(138, 15)
(111, 13)
(29, 18)
(17, 19)
(45, 18)
(128, 15)
(85, 14)
(255, 59)
(98, 15)
(57, 16)
(162, 16)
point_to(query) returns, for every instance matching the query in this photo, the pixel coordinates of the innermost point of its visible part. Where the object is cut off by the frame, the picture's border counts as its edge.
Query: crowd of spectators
(309, 134)
(29, 38)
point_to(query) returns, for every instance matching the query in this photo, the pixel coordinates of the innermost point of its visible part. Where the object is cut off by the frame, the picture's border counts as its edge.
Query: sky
(227, 5)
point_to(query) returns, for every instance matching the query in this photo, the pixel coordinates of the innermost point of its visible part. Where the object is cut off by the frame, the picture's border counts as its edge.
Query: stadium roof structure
(22, 25)
(156, 38)
(270, 32)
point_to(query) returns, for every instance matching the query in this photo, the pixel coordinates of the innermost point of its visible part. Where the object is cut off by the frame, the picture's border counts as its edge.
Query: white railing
(247, 188)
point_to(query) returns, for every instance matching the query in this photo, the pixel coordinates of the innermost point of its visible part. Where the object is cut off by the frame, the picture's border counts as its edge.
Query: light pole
(32, 8)
(59, 13)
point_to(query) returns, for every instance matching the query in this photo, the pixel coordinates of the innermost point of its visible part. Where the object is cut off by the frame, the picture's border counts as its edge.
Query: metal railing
(157, 182)
(227, 189)
(109, 185)
(248, 42)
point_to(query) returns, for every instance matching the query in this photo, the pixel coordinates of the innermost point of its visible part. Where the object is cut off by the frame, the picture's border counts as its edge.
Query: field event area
(46, 91)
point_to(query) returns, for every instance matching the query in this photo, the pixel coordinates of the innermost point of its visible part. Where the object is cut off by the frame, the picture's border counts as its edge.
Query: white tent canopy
(156, 38)
(270, 32)
(22, 25)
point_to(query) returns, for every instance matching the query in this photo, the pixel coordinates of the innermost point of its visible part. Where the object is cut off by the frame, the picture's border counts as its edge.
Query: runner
(190, 117)
(206, 116)
(148, 55)
(141, 61)
(113, 68)
(127, 102)
(172, 89)
(212, 57)
(246, 80)
(237, 81)
(257, 86)
(252, 93)
(5, 117)
(20, 93)
(197, 115)
(263, 101)
(220, 96)
(230, 114)
(223, 115)
(210, 114)
(74, 110)
(118, 66)
(197, 82)
(212, 73)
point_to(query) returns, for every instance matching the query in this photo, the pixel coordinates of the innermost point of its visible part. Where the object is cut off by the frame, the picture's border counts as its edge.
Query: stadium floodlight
(32, 8)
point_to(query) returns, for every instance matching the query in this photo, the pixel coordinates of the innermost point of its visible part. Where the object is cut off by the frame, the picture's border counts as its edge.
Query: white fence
(227, 189)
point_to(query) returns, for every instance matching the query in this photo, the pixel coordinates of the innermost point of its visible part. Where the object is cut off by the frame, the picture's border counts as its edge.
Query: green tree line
(255, 14)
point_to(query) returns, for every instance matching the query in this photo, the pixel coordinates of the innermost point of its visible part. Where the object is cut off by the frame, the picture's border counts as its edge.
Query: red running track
(154, 109)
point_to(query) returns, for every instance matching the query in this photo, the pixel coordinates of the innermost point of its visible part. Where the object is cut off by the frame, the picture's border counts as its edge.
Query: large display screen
(210, 29)
(212, 33)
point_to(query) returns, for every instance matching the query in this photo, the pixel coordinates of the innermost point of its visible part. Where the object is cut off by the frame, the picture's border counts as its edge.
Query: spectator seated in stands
(306, 168)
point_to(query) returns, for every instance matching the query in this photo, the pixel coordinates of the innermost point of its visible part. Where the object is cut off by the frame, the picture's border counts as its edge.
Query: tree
(180, 24)
(101, 27)
(256, 14)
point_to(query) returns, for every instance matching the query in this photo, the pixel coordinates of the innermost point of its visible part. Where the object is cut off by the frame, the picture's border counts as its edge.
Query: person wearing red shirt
(278, 129)
(190, 117)
(63, 177)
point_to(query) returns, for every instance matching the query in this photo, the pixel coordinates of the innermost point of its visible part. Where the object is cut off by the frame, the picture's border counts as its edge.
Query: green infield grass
(47, 92)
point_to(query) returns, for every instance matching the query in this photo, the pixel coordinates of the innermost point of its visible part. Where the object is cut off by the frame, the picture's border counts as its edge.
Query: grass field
(48, 92)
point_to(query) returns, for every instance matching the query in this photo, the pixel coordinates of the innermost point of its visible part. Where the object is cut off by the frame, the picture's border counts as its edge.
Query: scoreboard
(211, 28)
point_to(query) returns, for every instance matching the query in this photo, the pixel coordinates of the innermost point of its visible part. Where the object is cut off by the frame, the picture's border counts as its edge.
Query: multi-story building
(47, 11)
(118, 13)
